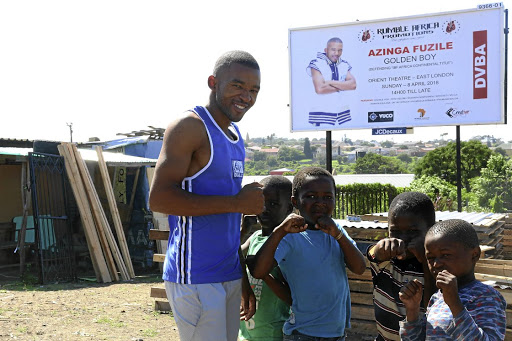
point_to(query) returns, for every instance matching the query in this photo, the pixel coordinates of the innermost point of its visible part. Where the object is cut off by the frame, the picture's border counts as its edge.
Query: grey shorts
(205, 312)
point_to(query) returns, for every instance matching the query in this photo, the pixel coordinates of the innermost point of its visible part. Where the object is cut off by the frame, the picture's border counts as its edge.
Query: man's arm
(185, 151)
(348, 84)
(321, 86)
(248, 300)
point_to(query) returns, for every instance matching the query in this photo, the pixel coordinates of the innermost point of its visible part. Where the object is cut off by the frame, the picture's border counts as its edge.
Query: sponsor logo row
(388, 116)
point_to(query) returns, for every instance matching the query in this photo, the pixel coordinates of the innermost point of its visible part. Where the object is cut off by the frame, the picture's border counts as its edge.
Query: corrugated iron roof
(397, 180)
(474, 218)
(116, 159)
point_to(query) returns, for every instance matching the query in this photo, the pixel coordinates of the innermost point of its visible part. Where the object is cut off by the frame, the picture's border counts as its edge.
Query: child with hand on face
(463, 308)
(311, 250)
(273, 297)
(400, 259)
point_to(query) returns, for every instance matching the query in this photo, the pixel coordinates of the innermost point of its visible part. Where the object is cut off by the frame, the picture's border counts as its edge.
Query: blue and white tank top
(204, 249)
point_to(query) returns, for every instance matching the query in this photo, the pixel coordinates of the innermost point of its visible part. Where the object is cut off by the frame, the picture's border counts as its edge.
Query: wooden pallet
(161, 302)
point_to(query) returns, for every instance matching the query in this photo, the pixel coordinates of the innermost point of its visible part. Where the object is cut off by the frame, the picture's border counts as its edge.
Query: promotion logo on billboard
(422, 115)
(380, 116)
(366, 36)
(451, 26)
(453, 113)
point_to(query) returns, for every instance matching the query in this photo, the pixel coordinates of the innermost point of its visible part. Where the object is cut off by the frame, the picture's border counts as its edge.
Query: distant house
(270, 151)
(281, 171)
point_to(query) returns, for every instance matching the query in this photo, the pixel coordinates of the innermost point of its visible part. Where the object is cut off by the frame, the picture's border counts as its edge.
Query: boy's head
(410, 216)
(277, 191)
(314, 193)
(452, 245)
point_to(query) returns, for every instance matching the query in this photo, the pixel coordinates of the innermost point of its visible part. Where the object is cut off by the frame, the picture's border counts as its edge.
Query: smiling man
(198, 178)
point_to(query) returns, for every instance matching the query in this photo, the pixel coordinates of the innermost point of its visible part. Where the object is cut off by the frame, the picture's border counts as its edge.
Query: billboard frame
(503, 64)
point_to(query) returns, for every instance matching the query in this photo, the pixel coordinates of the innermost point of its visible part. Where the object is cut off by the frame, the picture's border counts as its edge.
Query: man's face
(334, 51)
(236, 88)
(411, 229)
(277, 207)
(315, 199)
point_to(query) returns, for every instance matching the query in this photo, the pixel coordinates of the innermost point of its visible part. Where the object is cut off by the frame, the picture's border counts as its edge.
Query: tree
(272, 161)
(373, 163)
(307, 149)
(387, 144)
(289, 154)
(404, 158)
(270, 138)
(501, 151)
(442, 193)
(493, 189)
(441, 162)
(259, 156)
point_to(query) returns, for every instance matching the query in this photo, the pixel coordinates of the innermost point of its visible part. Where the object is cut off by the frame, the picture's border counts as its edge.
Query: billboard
(428, 70)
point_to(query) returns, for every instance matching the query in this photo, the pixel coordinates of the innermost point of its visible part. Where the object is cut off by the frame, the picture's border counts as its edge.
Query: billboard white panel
(429, 70)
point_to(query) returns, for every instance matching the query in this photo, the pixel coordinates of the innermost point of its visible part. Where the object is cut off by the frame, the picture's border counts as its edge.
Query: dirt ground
(82, 310)
(85, 310)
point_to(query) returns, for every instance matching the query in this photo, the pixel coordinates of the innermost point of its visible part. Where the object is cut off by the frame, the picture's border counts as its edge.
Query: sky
(109, 67)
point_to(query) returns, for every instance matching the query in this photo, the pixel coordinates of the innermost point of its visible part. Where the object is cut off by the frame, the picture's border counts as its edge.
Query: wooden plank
(26, 202)
(360, 286)
(508, 313)
(158, 292)
(491, 269)
(162, 306)
(158, 258)
(361, 298)
(158, 234)
(499, 279)
(132, 197)
(115, 213)
(366, 234)
(508, 334)
(366, 276)
(363, 327)
(504, 262)
(363, 312)
(91, 236)
(102, 226)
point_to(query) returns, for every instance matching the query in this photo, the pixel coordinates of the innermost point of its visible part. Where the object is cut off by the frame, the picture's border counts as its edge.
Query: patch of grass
(149, 332)
(152, 278)
(22, 330)
(110, 322)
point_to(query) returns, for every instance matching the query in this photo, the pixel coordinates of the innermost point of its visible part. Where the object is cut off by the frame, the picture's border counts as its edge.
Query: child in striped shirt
(463, 308)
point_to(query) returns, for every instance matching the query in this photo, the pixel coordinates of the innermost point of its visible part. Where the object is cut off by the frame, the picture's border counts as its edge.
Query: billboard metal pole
(459, 182)
(328, 151)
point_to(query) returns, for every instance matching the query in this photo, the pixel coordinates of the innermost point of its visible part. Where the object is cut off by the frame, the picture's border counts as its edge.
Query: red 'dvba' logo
(480, 64)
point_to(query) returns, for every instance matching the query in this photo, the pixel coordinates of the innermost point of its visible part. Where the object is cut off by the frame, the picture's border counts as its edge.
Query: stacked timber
(491, 229)
(110, 258)
(498, 274)
(507, 238)
(494, 232)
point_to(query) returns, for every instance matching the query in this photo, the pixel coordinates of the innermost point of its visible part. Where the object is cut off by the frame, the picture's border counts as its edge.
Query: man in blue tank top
(198, 179)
